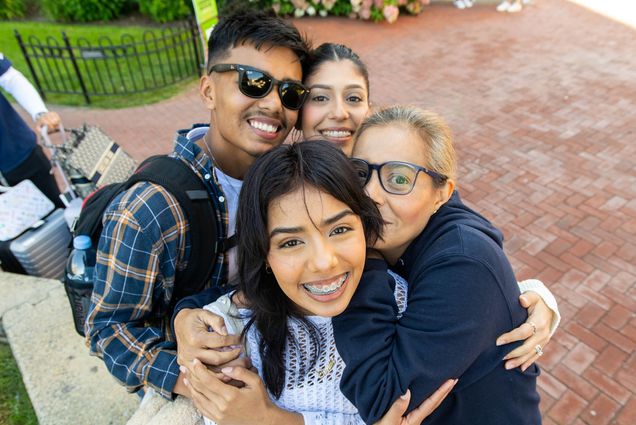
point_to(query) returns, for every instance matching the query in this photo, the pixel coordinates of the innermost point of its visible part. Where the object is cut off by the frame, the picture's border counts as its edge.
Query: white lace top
(315, 393)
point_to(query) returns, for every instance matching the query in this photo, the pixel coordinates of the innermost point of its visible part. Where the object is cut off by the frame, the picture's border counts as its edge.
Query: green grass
(9, 46)
(15, 406)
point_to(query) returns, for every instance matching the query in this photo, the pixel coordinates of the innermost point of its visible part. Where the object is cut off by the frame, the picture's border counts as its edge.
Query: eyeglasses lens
(397, 178)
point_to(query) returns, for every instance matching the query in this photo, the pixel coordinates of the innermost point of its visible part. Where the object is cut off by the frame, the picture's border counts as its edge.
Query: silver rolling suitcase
(43, 251)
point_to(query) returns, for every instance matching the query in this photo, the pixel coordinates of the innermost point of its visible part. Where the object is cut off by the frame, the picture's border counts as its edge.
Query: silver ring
(538, 350)
(534, 327)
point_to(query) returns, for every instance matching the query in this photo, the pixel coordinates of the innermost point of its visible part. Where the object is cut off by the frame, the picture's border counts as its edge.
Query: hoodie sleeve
(438, 337)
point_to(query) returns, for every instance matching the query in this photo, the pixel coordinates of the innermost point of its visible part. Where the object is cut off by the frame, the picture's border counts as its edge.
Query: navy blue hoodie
(462, 295)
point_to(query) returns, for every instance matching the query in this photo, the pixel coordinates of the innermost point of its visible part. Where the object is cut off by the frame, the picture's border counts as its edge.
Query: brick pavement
(543, 106)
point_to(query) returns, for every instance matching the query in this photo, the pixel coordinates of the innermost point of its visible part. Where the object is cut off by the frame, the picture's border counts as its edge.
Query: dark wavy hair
(283, 170)
(331, 52)
(258, 28)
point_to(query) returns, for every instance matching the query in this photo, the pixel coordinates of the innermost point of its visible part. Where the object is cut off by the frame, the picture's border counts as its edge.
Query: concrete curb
(65, 384)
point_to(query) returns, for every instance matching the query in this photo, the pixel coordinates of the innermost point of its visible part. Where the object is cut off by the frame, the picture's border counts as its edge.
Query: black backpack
(192, 195)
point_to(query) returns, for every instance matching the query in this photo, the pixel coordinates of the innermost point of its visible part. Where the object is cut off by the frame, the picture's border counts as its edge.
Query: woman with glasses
(462, 292)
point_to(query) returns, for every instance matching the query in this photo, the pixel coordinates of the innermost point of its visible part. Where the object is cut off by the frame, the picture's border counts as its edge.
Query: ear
(444, 193)
(207, 92)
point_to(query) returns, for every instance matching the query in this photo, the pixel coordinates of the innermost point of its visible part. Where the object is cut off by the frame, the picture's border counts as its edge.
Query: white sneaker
(459, 4)
(514, 8)
(504, 6)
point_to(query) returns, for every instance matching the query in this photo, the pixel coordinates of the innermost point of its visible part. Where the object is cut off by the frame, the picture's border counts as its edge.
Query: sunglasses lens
(398, 178)
(292, 95)
(255, 83)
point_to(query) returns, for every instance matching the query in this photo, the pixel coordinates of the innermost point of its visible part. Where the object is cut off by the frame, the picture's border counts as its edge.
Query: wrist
(276, 416)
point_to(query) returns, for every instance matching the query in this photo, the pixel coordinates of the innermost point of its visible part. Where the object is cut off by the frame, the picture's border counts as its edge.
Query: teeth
(264, 127)
(326, 289)
(336, 134)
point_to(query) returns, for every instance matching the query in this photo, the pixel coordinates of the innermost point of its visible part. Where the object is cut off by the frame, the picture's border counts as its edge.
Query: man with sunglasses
(253, 91)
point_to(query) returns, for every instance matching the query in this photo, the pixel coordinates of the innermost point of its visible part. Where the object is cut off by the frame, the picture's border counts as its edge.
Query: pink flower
(391, 13)
(378, 3)
(366, 4)
(401, 2)
(425, 2)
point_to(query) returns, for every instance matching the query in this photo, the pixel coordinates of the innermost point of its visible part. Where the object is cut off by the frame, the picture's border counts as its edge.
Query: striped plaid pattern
(145, 242)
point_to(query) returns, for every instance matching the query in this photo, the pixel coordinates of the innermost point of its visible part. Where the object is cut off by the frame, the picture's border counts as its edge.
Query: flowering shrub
(376, 10)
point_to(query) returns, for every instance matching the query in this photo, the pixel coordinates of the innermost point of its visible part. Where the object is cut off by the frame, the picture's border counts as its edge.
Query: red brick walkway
(543, 105)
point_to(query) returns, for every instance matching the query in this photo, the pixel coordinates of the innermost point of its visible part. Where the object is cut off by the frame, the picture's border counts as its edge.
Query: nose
(374, 188)
(271, 102)
(339, 111)
(323, 257)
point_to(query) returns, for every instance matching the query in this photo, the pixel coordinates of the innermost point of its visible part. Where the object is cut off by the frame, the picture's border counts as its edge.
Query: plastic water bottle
(81, 262)
(78, 281)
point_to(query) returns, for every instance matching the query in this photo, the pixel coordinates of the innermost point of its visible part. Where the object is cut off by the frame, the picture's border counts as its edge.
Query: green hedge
(164, 10)
(83, 10)
(10, 9)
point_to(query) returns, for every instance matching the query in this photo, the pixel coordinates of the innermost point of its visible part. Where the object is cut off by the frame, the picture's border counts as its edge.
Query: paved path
(543, 106)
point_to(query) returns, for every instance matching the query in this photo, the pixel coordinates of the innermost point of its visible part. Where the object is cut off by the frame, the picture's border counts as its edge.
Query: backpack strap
(191, 193)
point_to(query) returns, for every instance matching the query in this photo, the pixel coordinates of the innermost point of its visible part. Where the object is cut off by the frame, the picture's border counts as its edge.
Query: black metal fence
(159, 59)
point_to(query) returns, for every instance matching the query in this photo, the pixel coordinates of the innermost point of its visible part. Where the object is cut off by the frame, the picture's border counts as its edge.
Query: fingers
(529, 299)
(529, 362)
(212, 321)
(397, 409)
(251, 379)
(206, 406)
(430, 404)
(50, 119)
(213, 357)
(207, 382)
(521, 333)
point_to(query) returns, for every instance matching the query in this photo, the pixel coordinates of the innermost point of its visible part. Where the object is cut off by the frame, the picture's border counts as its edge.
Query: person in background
(512, 6)
(21, 157)
(463, 4)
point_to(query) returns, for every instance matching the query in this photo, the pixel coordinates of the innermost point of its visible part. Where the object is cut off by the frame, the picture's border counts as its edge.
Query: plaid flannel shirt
(145, 241)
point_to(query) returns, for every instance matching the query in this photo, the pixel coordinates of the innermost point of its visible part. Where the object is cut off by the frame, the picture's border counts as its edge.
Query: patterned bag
(97, 158)
(21, 207)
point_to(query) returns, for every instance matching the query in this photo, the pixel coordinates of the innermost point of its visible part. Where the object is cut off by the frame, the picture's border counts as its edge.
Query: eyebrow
(331, 220)
(326, 87)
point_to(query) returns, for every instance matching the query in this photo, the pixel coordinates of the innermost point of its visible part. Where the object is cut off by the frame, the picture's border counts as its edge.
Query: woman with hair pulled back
(462, 291)
(338, 100)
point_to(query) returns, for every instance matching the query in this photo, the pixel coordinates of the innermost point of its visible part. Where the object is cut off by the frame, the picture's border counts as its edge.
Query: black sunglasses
(396, 177)
(257, 84)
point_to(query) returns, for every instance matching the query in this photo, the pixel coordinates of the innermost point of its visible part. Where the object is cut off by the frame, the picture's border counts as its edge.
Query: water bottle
(78, 280)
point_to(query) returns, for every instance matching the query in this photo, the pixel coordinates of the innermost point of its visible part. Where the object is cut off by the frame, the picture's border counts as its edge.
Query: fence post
(194, 29)
(30, 65)
(77, 71)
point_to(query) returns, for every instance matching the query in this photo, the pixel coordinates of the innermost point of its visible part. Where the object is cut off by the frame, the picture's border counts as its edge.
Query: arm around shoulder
(438, 337)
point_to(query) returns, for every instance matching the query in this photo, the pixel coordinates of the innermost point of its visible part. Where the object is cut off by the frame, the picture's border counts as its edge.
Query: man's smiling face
(244, 128)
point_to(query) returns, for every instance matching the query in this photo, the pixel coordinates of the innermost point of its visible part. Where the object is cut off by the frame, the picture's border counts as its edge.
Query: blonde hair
(431, 128)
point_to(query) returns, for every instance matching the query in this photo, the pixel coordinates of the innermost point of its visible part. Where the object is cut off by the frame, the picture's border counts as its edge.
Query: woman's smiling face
(317, 250)
(337, 103)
